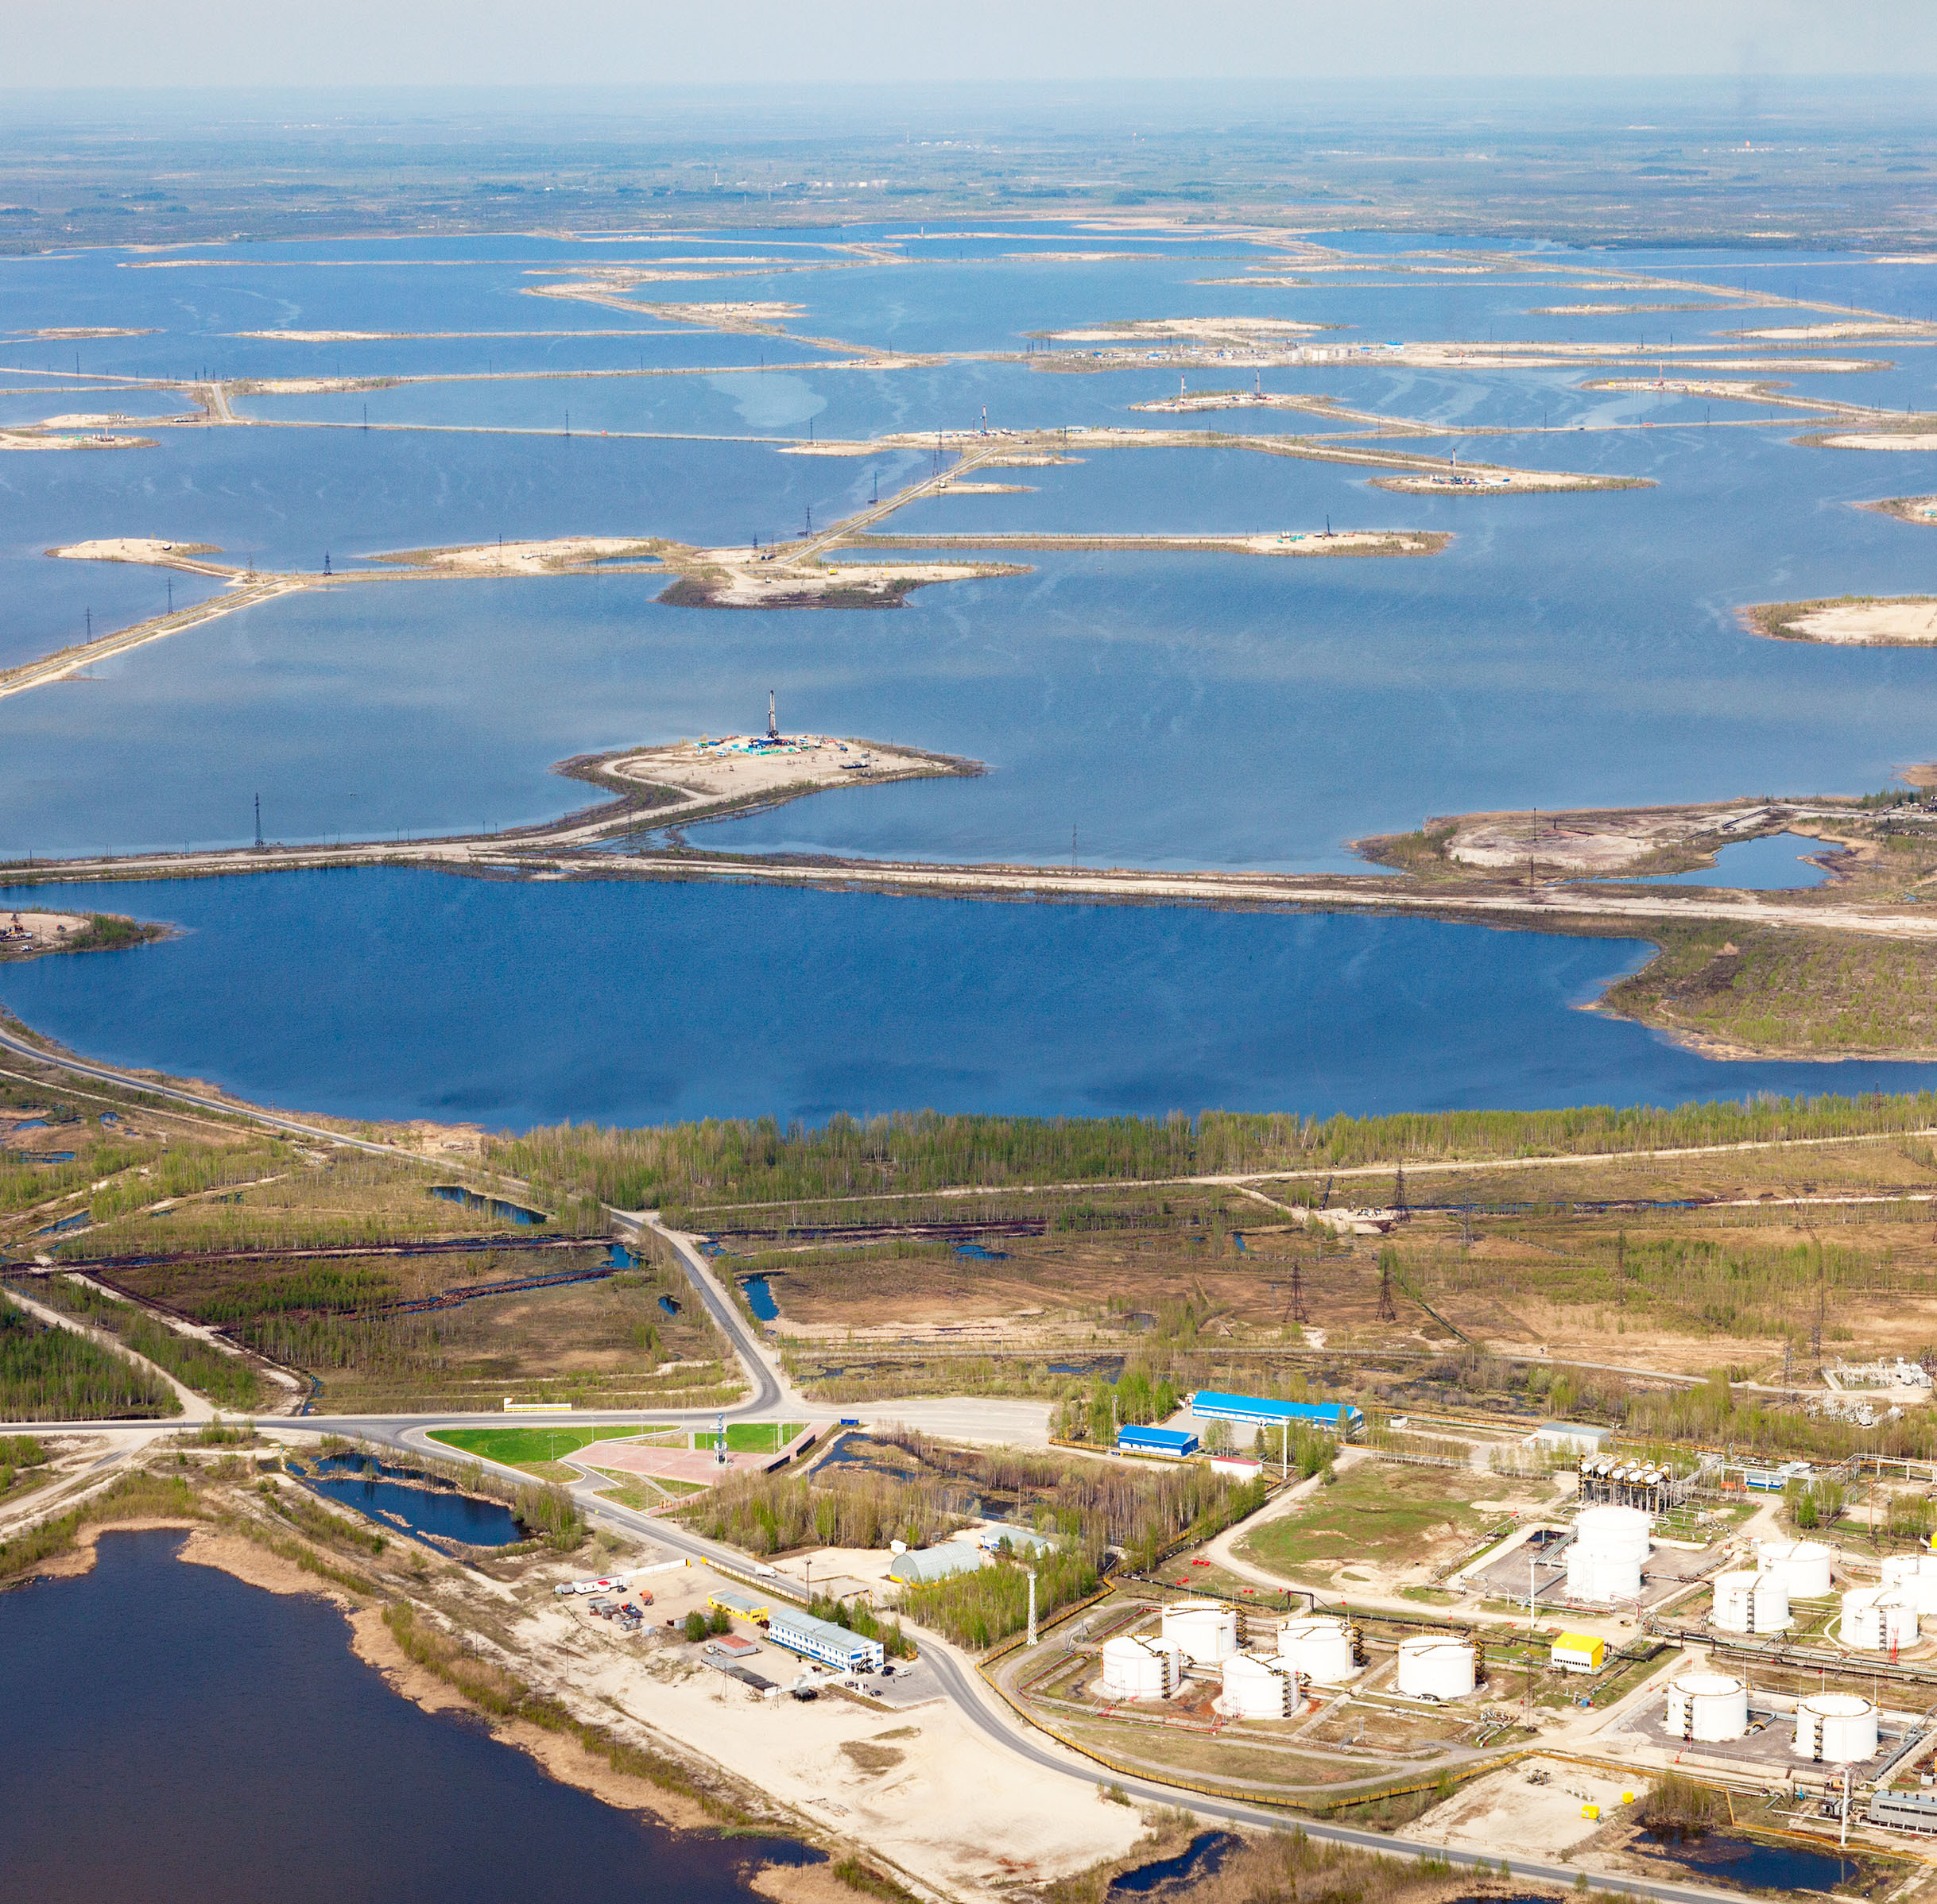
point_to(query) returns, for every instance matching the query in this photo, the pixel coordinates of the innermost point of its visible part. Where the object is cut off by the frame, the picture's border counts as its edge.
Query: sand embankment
(1849, 621)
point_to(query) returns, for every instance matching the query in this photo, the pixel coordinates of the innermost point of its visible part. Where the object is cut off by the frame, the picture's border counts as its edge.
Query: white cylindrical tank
(1879, 1619)
(1735, 1602)
(1771, 1603)
(1206, 1629)
(1604, 1557)
(1804, 1566)
(1257, 1689)
(1746, 1602)
(1438, 1665)
(1136, 1668)
(1839, 1728)
(1707, 1706)
(1318, 1649)
(1914, 1575)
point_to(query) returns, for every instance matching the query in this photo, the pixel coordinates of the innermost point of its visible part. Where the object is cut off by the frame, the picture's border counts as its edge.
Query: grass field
(515, 1446)
(751, 1438)
(1376, 1513)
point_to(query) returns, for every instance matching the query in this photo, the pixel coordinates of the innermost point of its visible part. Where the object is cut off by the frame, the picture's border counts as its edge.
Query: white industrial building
(1437, 1665)
(1318, 1649)
(1138, 1667)
(1206, 1629)
(1706, 1706)
(1837, 1728)
(1804, 1566)
(1879, 1619)
(1747, 1602)
(1257, 1688)
(1604, 1557)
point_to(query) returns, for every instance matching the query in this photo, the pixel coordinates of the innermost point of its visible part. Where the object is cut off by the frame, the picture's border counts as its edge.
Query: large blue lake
(405, 993)
(1167, 710)
(135, 1693)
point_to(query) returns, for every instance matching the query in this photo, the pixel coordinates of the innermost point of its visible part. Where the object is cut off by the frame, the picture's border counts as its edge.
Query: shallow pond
(760, 1298)
(1774, 862)
(135, 1693)
(412, 1506)
(1753, 1865)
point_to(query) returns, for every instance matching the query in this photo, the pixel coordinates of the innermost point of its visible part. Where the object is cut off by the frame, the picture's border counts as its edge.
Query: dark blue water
(359, 1485)
(1741, 1861)
(760, 1298)
(405, 994)
(134, 1694)
(508, 1212)
(1202, 1856)
(1773, 863)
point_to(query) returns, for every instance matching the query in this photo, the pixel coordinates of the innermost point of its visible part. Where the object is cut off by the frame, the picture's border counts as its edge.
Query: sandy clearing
(1139, 330)
(742, 579)
(37, 931)
(1882, 440)
(1503, 1815)
(1878, 624)
(721, 770)
(544, 557)
(1797, 334)
(956, 1809)
(35, 439)
(86, 420)
(1601, 843)
(132, 548)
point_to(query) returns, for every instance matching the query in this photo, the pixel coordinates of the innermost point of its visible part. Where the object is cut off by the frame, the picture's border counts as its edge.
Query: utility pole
(1387, 1312)
(1031, 1606)
(258, 819)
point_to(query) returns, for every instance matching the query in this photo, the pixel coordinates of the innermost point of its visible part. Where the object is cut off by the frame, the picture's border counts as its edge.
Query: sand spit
(1906, 509)
(150, 549)
(374, 337)
(1599, 842)
(1307, 542)
(748, 579)
(1479, 481)
(43, 439)
(1851, 620)
(80, 333)
(28, 934)
(1883, 329)
(1192, 403)
(1215, 330)
(1877, 439)
(557, 556)
(734, 770)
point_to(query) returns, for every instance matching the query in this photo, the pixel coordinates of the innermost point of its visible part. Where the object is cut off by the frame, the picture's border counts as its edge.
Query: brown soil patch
(801, 1884)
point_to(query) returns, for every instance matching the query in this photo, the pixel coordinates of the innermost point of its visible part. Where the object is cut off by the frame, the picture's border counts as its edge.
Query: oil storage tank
(1747, 1602)
(1138, 1667)
(1436, 1665)
(1879, 1619)
(1206, 1629)
(1257, 1689)
(1707, 1705)
(1604, 1557)
(1318, 1649)
(1915, 1575)
(1838, 1729)
(1804, 1566)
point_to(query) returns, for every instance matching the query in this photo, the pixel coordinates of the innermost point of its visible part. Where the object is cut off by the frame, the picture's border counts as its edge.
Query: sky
(415, 43)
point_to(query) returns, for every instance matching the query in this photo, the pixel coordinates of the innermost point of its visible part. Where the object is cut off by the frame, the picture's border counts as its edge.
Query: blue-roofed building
(1340, 1418)
(1176, 1442)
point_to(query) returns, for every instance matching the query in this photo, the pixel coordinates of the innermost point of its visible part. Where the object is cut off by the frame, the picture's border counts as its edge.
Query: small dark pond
(79, 1220)
(1743, 1861)
(1198, 1859)
(135, 1693)
(418, 1510)
(760, 1298)
(981, 1254)
(509, 1212)
(670, 1305)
